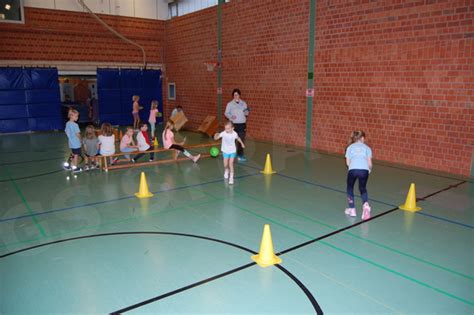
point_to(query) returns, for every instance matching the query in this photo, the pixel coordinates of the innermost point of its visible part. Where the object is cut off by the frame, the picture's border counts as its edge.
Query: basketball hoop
(211, 65)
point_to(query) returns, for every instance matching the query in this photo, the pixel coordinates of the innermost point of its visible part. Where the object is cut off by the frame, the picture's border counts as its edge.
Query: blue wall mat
(13, 111)
(42, 110)
(131, 78)
(41, 78)
(11, 97)
(43, 96)
(108, 78)
(11, 79)
(14, 125)
(45, 123)
(23, 89)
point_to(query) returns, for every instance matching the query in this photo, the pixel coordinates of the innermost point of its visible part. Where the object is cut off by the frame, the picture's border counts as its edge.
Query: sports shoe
(196, 158)
(86, 168)
(151, 160)
(366, 211)
(115, 160)
(242, 159)
(226, 174)
(77, 170)
(66, 166)
(231, 179)
(133, 160)
(350, 212)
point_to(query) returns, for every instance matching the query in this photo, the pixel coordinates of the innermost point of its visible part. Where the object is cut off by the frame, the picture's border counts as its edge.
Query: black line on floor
(193, 285)
(162, 296)
(32, 161)
(365, 221)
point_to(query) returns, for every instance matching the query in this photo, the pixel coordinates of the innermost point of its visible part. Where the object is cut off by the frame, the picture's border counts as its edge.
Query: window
(11, 11)
(171, 91)
(173, 9)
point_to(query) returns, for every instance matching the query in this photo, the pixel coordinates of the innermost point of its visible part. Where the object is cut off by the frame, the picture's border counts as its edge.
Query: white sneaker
(226, 174)
(351, 212)
(86, 168)
(231, 179)
(196, 158)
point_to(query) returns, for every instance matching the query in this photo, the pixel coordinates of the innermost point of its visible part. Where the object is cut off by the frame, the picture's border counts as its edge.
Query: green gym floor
(85, 244)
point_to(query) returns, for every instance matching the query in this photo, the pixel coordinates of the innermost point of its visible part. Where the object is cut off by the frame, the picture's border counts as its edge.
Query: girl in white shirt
(107, 142)
(229, 149)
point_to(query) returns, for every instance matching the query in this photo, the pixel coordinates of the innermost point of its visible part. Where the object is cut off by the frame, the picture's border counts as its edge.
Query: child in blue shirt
(74, 136)
(359, 163)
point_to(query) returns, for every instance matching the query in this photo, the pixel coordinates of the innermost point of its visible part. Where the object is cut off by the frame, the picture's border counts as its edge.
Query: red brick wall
(190, 42)
(402, 71)
(75, 36)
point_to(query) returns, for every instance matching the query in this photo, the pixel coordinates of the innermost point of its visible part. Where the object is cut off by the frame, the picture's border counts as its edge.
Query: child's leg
(231, 166)
(181, 149)
(363, 178)
(152, 154)
(351, 178)
(152, 130)
(75, 159)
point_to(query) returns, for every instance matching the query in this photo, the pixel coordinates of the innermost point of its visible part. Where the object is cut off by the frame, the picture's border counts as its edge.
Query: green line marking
(356, 256)
(310, 84)
(23, 199)
(357, 236)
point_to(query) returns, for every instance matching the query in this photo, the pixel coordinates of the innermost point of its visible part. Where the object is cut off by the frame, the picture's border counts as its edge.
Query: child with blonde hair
(107, 142)
(152, 119)
(359, 163)
(169, 143)
(136, 111)
(127, 144)
(90, 143)
(74, 136)
(229, 149)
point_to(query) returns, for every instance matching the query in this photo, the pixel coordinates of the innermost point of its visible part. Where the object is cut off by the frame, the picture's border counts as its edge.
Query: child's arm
(217, 136)
(241, 143)
(348, 161)
(369, 160)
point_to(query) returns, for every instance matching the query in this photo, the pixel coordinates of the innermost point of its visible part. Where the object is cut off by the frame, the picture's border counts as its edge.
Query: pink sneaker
(350, 212)
(366, 211)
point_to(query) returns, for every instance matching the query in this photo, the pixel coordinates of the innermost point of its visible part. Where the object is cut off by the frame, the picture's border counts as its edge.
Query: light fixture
(8, 6)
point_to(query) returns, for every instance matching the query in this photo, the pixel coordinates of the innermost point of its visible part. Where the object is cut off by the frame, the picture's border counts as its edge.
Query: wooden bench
(105, 166)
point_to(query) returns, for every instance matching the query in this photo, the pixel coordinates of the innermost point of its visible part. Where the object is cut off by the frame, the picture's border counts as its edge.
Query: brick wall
(75, 36)
(400, 70)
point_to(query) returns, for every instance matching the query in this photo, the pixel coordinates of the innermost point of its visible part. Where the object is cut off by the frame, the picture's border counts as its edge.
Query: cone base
(275, 260)
(267, 172)
(138, 195)
(403, 207)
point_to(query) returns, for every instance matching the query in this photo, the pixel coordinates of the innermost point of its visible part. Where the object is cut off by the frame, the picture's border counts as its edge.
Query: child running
(152, 119)
(136, 111)
(90, 143)
(144, 143)
(74, 136)
(229, 149)
(169, 143)
(359, 162)
(127, 144)
(107, 142)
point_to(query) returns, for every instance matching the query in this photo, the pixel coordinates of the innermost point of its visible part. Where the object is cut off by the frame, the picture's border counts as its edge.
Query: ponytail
(357, 135)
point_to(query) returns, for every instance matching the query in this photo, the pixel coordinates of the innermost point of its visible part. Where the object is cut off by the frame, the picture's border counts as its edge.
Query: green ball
(214, 152)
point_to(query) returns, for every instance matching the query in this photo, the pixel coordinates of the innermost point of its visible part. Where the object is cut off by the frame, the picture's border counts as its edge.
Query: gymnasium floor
(187, 249)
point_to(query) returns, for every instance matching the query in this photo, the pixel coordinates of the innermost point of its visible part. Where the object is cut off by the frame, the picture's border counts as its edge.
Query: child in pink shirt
(127, 144)
(169, 143)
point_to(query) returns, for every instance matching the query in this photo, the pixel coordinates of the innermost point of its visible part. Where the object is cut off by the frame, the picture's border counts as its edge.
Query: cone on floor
(143, 191)
(410, 202)
(266, 256)
(155, 143)
(267, 170)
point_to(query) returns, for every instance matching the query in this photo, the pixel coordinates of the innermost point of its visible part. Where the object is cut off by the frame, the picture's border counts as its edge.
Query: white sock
(189, 155)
